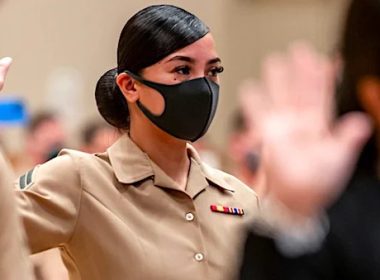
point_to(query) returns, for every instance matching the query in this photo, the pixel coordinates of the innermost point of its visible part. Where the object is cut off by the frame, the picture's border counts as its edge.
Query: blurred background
(60, 49)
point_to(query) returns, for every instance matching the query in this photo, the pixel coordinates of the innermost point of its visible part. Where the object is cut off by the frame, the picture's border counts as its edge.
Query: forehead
(202, 49)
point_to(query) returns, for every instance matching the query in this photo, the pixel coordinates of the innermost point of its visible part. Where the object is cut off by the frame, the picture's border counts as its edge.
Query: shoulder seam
(79, 203)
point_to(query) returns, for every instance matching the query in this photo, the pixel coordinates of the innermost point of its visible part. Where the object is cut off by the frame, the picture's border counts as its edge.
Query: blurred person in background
(45, 137)
(351, 250)
(97, 136)
(14, 260)
(243, 151)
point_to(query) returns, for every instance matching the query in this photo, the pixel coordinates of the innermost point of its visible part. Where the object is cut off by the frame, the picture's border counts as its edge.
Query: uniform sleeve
(49, 198)
(14, 261)
(294, 234)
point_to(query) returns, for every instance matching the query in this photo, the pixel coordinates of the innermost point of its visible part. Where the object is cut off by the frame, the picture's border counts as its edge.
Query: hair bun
(111, 102)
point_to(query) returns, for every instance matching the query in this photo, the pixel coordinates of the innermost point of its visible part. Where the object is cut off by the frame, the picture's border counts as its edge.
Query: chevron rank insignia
(26, 180)
(227, 210)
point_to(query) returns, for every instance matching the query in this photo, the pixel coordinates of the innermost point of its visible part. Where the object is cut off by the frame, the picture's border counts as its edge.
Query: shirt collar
(128, 161)
(131, 165)
(212, 175)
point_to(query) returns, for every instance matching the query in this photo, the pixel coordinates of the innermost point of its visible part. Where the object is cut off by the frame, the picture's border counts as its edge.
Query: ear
(127, 86)
(369, 96)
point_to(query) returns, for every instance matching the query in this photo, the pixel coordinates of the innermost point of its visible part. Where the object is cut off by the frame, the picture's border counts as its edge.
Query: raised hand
(5, 63)
(307, 155)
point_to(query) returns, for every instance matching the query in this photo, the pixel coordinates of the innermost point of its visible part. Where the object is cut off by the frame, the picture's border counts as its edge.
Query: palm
(306, 158)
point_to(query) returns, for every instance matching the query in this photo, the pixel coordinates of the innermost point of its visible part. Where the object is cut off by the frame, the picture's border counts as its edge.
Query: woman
(142, 210)
(149, 208)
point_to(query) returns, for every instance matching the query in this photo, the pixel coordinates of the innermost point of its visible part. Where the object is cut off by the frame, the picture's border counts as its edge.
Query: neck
(169, 153)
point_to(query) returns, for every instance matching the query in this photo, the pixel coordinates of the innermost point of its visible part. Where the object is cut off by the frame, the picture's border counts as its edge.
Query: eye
(213, 72)
(182, 70)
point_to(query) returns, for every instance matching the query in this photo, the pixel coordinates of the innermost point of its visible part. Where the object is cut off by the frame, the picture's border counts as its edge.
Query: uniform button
(199, 257)
(189, 217)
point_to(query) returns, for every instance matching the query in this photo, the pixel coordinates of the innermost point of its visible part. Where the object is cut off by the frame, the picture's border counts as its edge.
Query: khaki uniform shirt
(14, 260)
(118, 216)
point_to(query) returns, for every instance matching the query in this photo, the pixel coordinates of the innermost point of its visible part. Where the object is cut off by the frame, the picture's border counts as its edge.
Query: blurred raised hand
(307, 155)
(5, 63)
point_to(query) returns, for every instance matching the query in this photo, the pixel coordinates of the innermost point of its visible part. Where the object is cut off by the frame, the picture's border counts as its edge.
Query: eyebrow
(191, 60)
(182, 58)
(214, 60)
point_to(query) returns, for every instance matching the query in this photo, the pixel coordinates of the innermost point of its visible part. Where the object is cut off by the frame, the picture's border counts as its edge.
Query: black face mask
(190, 107)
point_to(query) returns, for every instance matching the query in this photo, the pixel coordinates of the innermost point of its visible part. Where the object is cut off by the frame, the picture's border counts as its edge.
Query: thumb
(352, 132)
(5, 63)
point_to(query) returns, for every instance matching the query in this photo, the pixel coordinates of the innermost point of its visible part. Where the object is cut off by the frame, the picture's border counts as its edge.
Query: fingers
(5, 63)
(253, 102)
(275, 77)
(352, 131)
(312, 73)
(301, 82)
(312, 82)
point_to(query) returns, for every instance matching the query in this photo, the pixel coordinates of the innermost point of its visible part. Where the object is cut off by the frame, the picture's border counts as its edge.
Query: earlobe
(369, 96)
(127, 87)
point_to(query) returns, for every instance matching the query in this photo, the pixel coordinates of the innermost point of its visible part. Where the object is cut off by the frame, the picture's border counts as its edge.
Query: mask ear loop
(134, 76)
(147, 83)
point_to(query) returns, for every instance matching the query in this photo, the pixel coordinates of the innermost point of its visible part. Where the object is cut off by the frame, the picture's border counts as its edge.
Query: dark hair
(150, 35)
(360, 49)
(91, 129)
(238, 122)
(38, 119)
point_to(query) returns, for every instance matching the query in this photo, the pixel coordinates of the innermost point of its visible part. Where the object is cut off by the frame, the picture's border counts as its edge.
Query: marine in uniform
(121, 215)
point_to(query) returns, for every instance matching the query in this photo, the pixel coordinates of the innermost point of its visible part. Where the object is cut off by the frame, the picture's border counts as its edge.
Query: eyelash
(180, 70)
(185, 70)
(216, 70)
